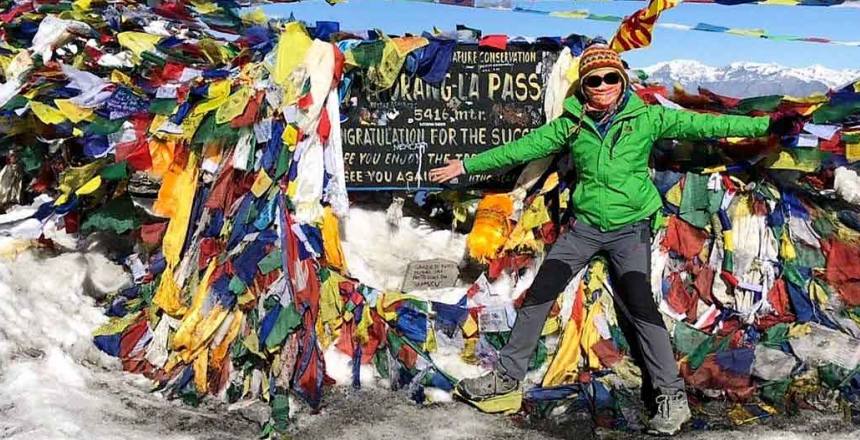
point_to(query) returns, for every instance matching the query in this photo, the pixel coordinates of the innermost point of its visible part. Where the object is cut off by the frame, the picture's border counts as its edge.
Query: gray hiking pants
(629, 251)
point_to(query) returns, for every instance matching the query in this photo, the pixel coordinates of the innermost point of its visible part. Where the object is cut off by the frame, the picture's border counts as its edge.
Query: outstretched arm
(689, 125)
(541, 142)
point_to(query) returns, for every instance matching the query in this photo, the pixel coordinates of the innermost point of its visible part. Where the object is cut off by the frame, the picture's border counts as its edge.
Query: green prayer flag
(15, 102)
(283, 164)
(775, 336)
(380, 361)
(102, 126)
(774, 391)
(851, 138)
(759, 104)
(808, 256)
(824, 226)
(237, 286)
(368, 53)
(832, 375)
(830, 113)
(729, 262)
(211, 132)
(288, 320)
(152, 58)
(539, 356)
(280, 405)
(793, 276)
(116, 171)
(609, 18)
(497, 339)
(695, 201)
(189, 396)
(117, 215)
(697, 357)
(619, 339)
(31, 158)
(687, 338)
(163, 106)
(270, 262)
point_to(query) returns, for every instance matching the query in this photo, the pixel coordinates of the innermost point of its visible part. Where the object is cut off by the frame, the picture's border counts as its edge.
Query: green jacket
(614, 187)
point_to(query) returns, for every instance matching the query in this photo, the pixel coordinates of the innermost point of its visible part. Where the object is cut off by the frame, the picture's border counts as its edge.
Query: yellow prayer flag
(71, 111)
(636, 30)
(184, 336)
(331, 240)
(201, 368)
(290, 135)
(219, 93)
(817, 293)
(219, 351)
(852, 152)
(470, 327)
(257, 16)
(786, 248)
(167, 295)
(261, 183)
(293, 44)
(138, 42)
(234, 106)
(90, 187)
(787, 161)
(47, 113)
(204, 7)
(747, 32)
(120, 78)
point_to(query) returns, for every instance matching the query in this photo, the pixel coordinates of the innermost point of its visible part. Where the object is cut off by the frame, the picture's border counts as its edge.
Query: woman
(609, 133)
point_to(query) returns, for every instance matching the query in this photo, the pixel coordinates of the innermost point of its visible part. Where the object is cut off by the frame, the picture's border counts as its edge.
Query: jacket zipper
(601, 176)
(614, 141)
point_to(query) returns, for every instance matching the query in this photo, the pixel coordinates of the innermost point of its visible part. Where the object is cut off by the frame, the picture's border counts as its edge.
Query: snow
(47, 358)
(43, 305)
(338, 366)
(377, 253)
(54, 383)
(748, 79)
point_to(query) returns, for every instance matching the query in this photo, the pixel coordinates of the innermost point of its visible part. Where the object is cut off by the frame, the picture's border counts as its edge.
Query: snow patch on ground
(54, 383)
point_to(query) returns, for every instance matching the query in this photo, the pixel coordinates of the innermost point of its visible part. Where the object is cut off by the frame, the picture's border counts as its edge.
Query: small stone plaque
(430, 274)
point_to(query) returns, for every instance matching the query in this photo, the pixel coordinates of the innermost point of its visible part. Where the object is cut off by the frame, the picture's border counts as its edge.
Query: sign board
(392, 139)
(430, 274)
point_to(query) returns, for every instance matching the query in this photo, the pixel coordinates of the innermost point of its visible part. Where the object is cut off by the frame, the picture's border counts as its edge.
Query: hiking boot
(490, 385)
(672, 412)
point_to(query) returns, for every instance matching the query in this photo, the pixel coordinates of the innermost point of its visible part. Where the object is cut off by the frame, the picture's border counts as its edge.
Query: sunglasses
(610, 78)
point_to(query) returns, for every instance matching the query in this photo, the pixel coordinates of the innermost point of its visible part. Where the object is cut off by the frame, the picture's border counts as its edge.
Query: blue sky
(398, 16)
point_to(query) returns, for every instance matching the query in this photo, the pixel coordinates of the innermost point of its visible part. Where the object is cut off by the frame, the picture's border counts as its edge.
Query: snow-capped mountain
(746, 79)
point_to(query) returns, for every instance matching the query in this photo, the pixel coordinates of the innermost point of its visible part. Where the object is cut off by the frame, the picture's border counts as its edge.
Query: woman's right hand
(453, 169)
